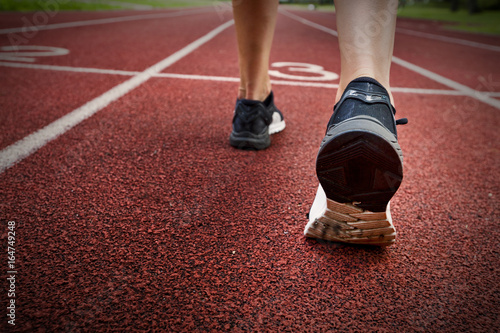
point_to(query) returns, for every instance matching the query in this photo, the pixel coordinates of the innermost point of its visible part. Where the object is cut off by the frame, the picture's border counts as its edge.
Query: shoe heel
(360, 161)
(343, 222)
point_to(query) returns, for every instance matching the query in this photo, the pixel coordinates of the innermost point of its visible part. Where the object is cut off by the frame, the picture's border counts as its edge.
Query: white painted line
(408, 90)
(426, 91)
(478, 95)
(90, 70)
(400, 30)
(481, 96)
(31, 143)
(493, 94)
(306, 84)
(236, 79)
(68, 68)
(320, 74)
(199, 77)
(27, 56)
(103, 21)
(309, 23)
(448, 39)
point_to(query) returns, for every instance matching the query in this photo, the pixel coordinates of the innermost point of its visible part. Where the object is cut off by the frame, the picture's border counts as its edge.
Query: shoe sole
(247, 140)
(360, 168)
(277, 125)
(346, 223)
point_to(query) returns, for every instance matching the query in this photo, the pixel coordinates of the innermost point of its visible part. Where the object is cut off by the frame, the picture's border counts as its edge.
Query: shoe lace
(402, 121)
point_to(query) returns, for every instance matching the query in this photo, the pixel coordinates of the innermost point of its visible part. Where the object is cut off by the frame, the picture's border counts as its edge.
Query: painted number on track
(320, 74)
(29, 53)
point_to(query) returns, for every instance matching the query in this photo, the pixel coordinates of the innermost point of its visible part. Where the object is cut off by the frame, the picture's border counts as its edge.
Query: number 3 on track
(305, 68)
(29, 53)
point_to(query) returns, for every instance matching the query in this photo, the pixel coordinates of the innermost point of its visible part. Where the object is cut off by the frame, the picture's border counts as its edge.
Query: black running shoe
(359, 167)
(254, 122)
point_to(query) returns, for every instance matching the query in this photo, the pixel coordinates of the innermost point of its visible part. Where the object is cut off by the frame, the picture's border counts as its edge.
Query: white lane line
(236, 79)
(400, 30)
(426, 91)
(199, 77)
(481, 96)
(226, 78)
(68, 68)
(478, 95)
(309, 23)
(90, 70)
(408, 90)
(31, 143)
(448, 39)
(102, 21)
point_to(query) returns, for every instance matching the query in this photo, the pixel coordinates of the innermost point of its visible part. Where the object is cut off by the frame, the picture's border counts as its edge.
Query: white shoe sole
(277, 125)
(344, 222)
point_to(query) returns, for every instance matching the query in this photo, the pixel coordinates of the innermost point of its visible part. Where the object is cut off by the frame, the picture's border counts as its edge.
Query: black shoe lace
(402, 121)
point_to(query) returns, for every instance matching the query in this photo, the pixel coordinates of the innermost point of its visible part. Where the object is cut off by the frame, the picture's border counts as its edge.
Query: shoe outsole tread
(360, 229)
(358, 162)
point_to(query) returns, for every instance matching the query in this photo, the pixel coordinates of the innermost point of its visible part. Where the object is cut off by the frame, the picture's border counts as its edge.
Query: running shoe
(359, 167)
(254, 122)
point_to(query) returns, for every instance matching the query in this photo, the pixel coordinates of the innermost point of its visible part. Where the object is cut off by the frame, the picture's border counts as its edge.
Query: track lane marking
(103, 21)
(21, 149)
(309, 23)
(30, 52)
(399, 30)
(448, 39)
(90, 70)
(478, 95)
(68, 68)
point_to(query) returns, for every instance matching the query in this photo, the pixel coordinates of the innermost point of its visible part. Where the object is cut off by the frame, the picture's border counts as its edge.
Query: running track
(133, 212)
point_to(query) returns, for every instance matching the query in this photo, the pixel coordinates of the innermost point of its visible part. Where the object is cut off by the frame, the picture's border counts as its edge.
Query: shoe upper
(365, 97)
(254, 116)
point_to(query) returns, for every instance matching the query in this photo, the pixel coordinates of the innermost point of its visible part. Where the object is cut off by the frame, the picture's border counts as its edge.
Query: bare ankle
(253, 92)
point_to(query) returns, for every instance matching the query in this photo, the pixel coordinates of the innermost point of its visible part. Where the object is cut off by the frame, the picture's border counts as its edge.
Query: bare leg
(255, 21)
(359, 164)
(366, 38)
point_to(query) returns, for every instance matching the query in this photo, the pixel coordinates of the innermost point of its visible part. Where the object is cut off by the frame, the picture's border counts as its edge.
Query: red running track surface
(142, 217)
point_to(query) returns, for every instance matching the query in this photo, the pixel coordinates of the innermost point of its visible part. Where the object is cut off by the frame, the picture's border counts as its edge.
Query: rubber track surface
(143, 218)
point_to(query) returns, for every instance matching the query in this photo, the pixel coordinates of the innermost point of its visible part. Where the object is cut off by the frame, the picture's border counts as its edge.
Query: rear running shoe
(254, 122)
(359, 167)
